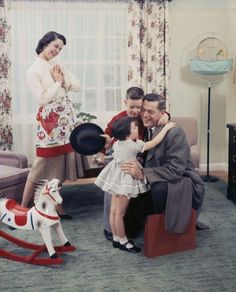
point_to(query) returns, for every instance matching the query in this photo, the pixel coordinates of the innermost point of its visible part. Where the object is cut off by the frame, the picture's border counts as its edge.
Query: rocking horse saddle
(19, 211)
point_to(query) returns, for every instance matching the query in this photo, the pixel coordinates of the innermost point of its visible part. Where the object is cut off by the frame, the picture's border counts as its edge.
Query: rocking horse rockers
(41, 216)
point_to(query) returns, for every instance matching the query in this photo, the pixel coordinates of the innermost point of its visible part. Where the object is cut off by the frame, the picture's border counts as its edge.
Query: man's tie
(150, 133)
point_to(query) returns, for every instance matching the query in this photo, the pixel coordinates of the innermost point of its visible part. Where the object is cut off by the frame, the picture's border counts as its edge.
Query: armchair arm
(14, 159)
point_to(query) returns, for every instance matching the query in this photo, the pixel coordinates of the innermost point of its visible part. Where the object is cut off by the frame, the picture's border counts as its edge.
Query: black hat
(86, 140)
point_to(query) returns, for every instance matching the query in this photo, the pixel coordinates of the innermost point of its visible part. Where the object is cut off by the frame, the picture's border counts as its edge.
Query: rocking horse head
(47, 195)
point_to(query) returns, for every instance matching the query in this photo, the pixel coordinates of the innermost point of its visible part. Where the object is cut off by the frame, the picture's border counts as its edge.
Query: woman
(49, 83)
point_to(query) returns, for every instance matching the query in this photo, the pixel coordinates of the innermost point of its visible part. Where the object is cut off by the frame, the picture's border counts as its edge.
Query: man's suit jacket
(170, 161)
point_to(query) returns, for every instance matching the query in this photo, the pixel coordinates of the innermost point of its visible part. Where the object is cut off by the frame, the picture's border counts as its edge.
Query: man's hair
(134, 93)
(156, 97)
(121, 128)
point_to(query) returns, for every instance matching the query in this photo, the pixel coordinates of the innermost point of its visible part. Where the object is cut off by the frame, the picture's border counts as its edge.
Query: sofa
(190, 127)
(13, 174)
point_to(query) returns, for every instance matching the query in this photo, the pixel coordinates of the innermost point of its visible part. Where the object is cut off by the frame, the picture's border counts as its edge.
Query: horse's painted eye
(43, 205)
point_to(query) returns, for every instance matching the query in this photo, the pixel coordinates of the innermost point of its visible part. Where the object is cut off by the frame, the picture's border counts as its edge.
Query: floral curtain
(6, 142)
(148, 46)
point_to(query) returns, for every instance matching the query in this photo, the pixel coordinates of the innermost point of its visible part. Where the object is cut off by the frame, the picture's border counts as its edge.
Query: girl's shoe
(133, 248)
(115, 244)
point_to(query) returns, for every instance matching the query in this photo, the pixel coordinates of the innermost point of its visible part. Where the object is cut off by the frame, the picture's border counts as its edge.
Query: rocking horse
(41, 216)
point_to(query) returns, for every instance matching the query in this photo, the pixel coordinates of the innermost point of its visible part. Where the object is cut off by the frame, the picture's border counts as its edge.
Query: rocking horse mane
(41, 184)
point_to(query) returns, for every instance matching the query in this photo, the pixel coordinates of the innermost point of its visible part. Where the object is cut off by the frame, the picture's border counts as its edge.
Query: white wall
(189, 20)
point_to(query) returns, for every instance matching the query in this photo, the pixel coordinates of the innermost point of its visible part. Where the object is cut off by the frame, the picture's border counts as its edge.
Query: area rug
(97, 266)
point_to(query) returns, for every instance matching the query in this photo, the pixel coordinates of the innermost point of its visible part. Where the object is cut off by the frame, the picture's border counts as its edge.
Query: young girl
(122, 186)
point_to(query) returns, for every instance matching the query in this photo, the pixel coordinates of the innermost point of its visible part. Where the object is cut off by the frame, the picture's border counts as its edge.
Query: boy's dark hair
(156, 97)
(48, 38)
(121, 128)
(134, 93)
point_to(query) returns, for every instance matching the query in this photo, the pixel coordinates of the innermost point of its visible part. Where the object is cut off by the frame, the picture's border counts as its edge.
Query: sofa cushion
(11, 175)
(189, 126)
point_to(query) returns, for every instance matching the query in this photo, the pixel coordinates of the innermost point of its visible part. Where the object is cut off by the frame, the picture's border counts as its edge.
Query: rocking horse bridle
(48, 193)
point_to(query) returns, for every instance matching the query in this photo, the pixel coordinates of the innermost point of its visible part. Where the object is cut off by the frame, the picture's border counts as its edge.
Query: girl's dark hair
(121, 128)
(48, 38)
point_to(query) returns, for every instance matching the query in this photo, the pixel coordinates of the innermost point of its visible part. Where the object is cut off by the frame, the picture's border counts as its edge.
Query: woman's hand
(133, 167)
(57, 74)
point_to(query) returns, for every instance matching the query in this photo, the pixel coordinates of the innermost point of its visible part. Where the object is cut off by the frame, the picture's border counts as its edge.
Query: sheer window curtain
(96, 52)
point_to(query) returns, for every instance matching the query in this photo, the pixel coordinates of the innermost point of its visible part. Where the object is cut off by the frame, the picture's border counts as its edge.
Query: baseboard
(214, 167)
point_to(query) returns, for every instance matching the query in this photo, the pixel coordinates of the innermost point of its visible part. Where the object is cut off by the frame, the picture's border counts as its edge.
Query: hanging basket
(208, 67)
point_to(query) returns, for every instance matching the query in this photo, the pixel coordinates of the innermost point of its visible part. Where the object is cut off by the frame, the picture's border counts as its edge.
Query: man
(175, 187)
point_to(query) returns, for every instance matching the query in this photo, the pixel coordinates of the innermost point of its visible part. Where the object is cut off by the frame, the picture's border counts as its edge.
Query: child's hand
(99, 159)
(163, 119)
(108, 144)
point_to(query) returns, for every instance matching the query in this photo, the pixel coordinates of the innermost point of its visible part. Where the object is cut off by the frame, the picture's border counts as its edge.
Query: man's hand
(133, 167)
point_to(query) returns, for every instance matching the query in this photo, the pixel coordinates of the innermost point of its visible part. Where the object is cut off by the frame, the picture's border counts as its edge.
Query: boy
(133, 102)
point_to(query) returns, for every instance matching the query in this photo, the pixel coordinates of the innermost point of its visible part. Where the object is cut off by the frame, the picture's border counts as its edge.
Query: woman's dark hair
(121, 128)
(48, 38)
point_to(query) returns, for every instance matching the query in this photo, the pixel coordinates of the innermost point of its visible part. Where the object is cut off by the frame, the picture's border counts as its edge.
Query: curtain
(6, 142)
(148, 46)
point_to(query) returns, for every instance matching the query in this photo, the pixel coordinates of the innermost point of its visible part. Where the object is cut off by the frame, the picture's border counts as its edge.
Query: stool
(158, 241)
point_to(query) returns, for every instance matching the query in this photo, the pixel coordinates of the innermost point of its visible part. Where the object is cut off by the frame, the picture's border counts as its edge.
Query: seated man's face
(150, 114)
(133, 107)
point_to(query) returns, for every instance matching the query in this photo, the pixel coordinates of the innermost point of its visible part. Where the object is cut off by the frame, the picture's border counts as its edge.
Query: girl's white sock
(115, 238)
(124, 240)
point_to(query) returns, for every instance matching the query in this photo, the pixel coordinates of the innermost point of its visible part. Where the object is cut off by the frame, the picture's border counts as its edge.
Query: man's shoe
(115, 244)
(133, 249)
(108, 235)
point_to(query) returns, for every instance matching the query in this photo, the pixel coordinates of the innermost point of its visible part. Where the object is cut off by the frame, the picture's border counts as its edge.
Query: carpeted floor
(96, 266)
